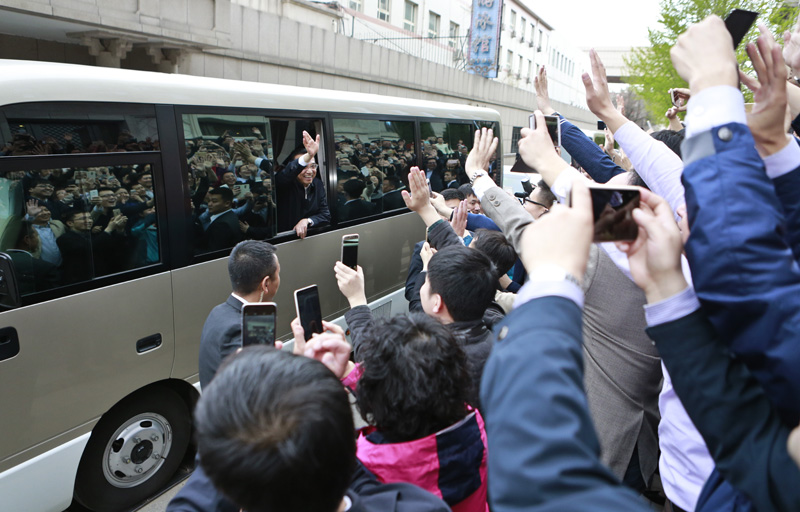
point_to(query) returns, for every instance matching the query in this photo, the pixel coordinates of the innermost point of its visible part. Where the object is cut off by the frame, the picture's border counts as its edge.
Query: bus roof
(30, 81)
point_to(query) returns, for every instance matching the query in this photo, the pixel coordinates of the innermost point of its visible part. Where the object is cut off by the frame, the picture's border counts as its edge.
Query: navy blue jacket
(293, 204)
(743, 432)
(543, 449)
(587, 153)
(788, 189)
(743, 268)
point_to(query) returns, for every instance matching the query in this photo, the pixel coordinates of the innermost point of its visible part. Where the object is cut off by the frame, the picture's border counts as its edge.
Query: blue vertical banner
(484, 39)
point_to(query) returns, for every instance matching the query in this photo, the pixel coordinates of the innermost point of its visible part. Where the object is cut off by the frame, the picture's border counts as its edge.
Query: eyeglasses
(526, 200)
(311, 166)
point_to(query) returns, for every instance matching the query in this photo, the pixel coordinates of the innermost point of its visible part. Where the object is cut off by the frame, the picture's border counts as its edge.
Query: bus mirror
(9, 292)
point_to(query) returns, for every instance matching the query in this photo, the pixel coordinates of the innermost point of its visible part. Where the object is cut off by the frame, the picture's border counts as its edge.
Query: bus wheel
(134, 450)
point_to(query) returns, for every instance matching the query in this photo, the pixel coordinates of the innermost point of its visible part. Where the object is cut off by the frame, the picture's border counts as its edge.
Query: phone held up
(306, 300)
(258, 323)
(738, 24)
(612, 208)
(350, 251)
(553, 129)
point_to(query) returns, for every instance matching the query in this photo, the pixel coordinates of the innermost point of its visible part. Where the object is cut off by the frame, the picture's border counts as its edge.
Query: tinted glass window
(372, 162)
(245, 180)
(70, 225)
(64, 128)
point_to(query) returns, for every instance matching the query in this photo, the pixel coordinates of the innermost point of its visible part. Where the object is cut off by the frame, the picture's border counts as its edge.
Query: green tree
(650, 69)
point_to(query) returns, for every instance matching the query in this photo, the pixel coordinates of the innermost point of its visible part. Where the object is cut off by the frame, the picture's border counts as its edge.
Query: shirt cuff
(715, 106)
(302, 161)
(482, 185)
(538, 289)
(784, 161)
(563, 184)
(258, 163)
(673, 308)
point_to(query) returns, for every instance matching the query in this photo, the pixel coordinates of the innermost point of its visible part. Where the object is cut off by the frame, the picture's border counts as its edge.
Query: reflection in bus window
(244, 178)
(77, 224)
(45, 129)
(373, 158)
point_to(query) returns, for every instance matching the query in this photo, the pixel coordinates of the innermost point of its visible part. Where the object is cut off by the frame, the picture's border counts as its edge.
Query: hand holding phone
(350, 251)
(258, 323)
(612, 208)
(309, 312)
(553, 127)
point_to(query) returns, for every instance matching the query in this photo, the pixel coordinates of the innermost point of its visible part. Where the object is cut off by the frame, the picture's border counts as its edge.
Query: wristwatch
(476, 176)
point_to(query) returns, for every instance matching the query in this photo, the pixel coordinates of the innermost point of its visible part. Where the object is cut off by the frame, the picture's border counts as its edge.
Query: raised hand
(484, 149)
(791, 48)
(704, 56)
(331, 349)
(542, 92)
(537, 151)
(681, 96)
(769, 118)
(351, 284)
(655, 255)
(311, 145)
(426, 253)
(459, 221)
(419, 198)
(244, 150)
(32, 207)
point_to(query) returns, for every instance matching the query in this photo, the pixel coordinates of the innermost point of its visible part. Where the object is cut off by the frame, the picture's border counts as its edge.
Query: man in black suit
(355, 207)
(223, 229)
(392, 197)
(433, 174)
(255, 276)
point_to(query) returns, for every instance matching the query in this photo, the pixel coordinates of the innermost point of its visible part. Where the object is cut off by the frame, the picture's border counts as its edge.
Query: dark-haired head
(450, 194)
(275, 432)
(497, 247)
(464, 281)
(249, 264)
(415, 380)
(672, 139)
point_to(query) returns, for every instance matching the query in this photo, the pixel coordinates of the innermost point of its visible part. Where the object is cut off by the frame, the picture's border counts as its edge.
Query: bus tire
(134, 450)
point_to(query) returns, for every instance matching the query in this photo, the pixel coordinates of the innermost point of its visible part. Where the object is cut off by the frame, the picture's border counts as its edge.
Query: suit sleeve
(414, 268)
(510, 216)
(743, 270)
(544, 461)
(441, 235)
(788, 189)
(289, 173)
(730, 410)
(587, 153)
(323, 215)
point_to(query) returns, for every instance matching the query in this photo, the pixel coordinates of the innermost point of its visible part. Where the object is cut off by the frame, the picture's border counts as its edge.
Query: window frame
(385, 10)
(436, 20)
(410, 24)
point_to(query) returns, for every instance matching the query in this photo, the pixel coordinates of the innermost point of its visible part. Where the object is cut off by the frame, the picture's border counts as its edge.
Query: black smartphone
(350, 251)
(258, 323)
(553, 124)
(612, 208)
(738, 24)
(601, 125)
(306, 300)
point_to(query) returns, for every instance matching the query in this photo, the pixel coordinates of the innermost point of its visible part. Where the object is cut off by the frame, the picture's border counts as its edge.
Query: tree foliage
(650, 69)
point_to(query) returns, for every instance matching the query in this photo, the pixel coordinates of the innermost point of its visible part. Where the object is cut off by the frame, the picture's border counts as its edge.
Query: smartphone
(612, 208)
(430, 190)
(306, 301)
(93, 193)
(258, 323)
(350, 251)
(92, 175)
(601, 125)
(244, 188)
(553, 127)
(117, 212)
(738, 24)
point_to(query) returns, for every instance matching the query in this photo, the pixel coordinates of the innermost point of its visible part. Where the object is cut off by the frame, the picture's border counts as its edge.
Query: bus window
(444, 151)
(71, 225)
(66, 128)
(373, 158)
(237, 178)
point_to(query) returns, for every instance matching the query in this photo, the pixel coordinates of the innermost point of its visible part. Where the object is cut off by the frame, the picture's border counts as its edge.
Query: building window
(512, 23)
(453, 34)
(384, 7)
(530, 70)
(519, 69)
(509, 60)
(355, 5)
(522, 28)
(533, 32)
(434, 20)
(410, 19)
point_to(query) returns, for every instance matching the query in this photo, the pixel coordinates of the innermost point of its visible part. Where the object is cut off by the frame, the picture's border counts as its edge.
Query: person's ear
(438, 303)
(265, 284)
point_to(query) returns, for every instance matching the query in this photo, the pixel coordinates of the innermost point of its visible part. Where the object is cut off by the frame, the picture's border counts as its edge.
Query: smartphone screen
(613, 213)
(258, 323)
(306, 301)
(117, 212)
(350, 251)
(601, 125)
(553, 124)
(738, 24)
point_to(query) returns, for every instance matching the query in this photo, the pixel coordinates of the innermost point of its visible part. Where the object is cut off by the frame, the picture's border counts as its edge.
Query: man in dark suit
(223, 229)
(392, 197)
(255, 277)
(433, 174)
(355, 207)
(247, 451)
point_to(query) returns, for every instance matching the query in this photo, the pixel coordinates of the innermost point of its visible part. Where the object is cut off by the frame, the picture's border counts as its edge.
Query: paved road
(160, 503)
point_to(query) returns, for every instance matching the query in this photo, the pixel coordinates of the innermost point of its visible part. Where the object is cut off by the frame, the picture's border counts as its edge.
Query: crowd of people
(536, 370)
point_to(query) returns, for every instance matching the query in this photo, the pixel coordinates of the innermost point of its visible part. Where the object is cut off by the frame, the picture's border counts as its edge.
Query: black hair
(70, 215)
(415, 380)
(103, 189)
(466, 280)
(466, 189)
(394, 180)
(249, 263)
(224, 192)
(548, 196)
(275, 432)
(497, 247)
(39, 181)
(25, 229)
(354, 188)
(636, 180)
(452, 193)
(672, 139)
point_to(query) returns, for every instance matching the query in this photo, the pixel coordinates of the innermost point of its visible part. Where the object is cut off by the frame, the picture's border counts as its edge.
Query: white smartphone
(350, 251)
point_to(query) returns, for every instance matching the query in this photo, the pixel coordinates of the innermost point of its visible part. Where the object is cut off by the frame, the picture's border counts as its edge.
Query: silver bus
(99, 340)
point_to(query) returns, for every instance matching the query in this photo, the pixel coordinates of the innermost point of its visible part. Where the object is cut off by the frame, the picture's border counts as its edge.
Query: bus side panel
(384, 252)
(78, 357)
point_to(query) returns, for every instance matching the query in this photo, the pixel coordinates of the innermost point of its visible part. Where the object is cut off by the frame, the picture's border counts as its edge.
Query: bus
(99, 340)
